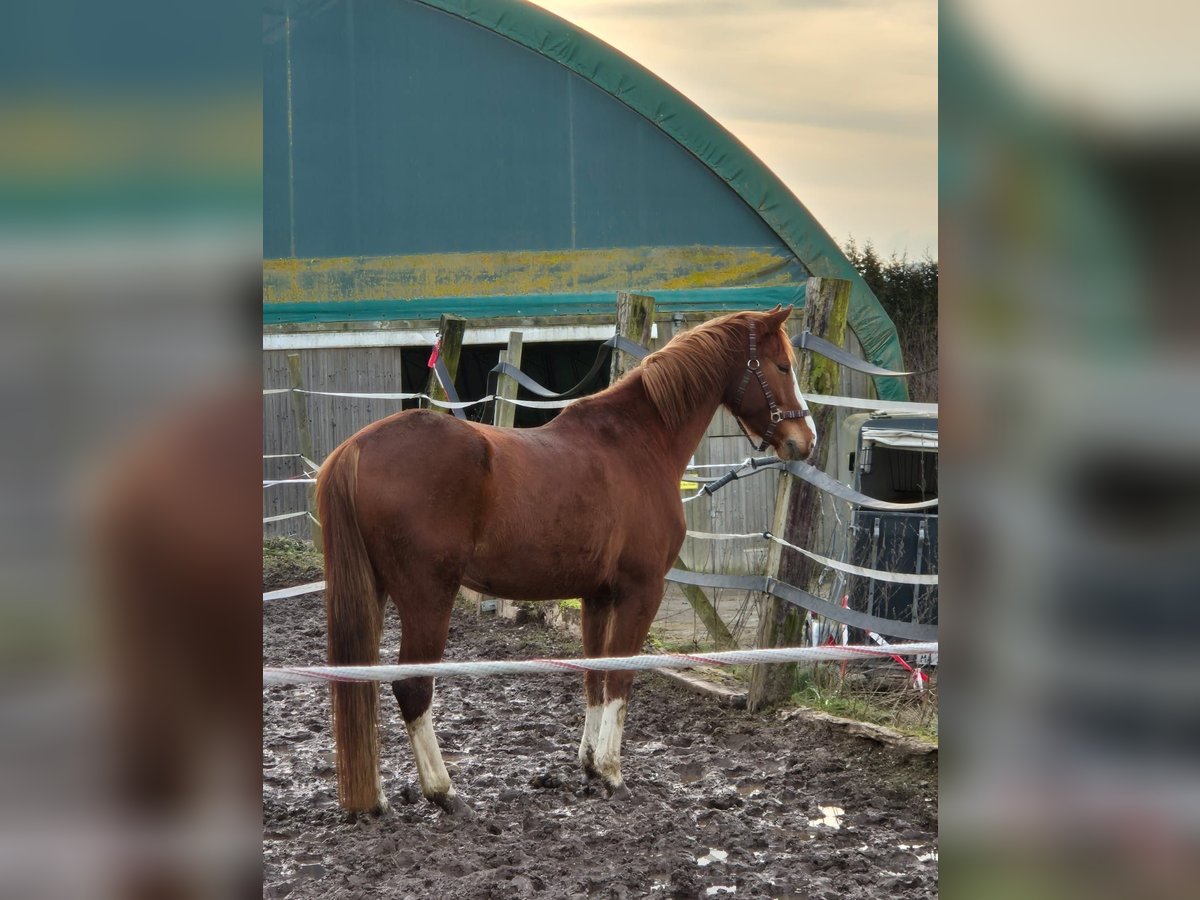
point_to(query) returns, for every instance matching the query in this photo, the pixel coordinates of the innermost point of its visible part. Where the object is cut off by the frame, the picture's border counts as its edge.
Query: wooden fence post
(299, 403)
(504, 413)
(451, 329)
(798, 504)
(635, 320)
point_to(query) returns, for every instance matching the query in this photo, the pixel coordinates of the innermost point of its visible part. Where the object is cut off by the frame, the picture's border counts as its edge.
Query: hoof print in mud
(726, 800)
(617, 792)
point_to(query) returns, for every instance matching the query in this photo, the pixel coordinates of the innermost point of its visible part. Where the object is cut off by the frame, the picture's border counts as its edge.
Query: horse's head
(762, 391)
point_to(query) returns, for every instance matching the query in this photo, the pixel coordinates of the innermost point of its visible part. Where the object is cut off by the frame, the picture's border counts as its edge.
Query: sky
(837, 97)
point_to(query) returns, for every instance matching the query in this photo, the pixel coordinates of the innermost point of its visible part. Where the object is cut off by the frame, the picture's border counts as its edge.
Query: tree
(908, 292)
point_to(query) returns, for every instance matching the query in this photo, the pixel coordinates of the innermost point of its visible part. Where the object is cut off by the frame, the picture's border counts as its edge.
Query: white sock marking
(591, 731)
(435, 780)
(608, 743)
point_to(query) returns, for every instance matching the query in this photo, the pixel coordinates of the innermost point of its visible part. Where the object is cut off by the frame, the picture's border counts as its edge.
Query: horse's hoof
(454, 805)
(618, 791)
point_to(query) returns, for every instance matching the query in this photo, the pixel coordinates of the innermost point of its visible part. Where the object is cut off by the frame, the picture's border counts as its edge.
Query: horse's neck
(629, 404)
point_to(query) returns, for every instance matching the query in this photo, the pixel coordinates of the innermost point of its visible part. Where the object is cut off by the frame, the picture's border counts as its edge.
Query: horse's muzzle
(796, 451)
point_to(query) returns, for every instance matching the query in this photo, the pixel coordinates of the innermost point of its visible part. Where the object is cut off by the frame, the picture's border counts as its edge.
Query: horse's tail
(354, 618)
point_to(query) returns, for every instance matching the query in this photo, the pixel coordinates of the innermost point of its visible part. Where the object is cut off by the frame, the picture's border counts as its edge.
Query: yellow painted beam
(646, 269)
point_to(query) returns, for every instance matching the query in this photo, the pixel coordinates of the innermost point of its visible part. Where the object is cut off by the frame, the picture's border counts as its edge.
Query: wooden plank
(723, 695)
(635, 320)
(451, 329)
(299, 404)
(505, 413)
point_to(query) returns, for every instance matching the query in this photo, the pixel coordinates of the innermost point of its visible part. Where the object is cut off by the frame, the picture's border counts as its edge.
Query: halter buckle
(754, 364)
(776, 415)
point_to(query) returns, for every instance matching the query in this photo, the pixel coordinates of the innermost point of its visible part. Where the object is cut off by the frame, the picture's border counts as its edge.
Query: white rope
(280, 518)
(268, 484)
(892, 406)
(310, 588)
(877, 574)
(482, 668)
(269, 391)
(281, 456)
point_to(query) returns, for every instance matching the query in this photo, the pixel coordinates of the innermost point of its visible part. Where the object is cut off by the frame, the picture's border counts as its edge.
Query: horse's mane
(694, 365)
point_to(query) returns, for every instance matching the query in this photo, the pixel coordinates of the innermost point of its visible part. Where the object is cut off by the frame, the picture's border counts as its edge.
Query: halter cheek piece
(754, 365)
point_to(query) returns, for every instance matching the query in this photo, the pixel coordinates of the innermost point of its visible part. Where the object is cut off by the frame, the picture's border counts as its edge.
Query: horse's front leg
(631, 617)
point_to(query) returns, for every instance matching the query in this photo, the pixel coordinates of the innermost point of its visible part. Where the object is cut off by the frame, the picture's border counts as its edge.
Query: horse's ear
(775, 318)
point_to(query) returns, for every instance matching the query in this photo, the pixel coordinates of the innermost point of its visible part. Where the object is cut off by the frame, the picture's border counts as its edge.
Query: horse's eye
(783, 368)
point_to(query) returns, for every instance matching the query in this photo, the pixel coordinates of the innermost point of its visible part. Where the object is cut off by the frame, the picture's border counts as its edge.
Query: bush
(908, 292)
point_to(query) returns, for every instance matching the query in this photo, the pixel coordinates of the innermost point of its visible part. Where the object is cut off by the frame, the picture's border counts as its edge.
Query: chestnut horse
(588, 506)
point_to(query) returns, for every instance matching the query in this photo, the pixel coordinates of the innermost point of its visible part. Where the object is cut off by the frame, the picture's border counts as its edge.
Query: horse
(417, 504)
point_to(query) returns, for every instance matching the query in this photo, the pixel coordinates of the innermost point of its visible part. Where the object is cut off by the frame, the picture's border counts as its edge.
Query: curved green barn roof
(701, 136)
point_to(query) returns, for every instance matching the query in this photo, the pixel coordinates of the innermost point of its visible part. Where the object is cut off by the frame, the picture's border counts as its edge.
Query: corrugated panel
(331, 419)
(406, 130)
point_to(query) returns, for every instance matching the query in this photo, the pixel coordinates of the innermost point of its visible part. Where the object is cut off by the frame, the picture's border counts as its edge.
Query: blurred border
(130, 246)
(1068, 171)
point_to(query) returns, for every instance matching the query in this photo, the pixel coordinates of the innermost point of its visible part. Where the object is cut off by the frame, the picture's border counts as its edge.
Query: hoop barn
(489, 160)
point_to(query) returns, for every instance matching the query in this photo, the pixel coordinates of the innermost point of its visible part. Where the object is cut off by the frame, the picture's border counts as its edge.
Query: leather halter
(754, 365)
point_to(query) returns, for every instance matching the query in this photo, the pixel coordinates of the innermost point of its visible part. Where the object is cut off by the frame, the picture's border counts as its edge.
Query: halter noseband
(754, 365)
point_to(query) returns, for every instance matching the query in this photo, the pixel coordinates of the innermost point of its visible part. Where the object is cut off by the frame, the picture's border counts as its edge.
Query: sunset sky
(838, 97)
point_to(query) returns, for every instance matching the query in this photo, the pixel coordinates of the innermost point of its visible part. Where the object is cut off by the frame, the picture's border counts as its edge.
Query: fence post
(451, 329)
(299, 403)
(798, 504)
(635, 320)
(504, 413)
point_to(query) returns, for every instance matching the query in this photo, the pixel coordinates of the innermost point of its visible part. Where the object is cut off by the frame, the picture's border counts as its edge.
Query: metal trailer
(894, 458)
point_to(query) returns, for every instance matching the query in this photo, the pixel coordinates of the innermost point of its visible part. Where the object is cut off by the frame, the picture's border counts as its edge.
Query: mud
(724, 803)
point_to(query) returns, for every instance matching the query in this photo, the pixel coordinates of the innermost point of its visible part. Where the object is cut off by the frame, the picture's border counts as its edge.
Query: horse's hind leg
(631, 617)
(424, 626)
(595, 632)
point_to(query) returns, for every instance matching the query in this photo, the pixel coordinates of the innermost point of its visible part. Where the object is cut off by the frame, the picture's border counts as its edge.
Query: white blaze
(808, 419)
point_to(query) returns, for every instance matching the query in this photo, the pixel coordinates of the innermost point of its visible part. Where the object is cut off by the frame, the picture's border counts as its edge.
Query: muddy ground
(725, 803)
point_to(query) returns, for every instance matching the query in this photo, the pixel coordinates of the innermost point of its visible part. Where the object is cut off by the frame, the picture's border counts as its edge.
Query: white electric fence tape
(483, 668)
(877, 574)
(311, 588)
(900, 407)
(280, 518)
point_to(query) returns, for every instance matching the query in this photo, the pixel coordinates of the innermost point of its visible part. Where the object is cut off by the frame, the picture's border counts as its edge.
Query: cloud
(838, 98)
